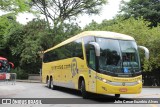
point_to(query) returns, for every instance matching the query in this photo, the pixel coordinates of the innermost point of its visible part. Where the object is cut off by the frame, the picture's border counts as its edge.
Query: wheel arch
(80, 80)
(47, 78)
(51, 77)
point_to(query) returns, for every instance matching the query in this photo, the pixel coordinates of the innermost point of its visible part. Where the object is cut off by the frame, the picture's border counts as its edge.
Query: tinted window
(88, 39)
(90, 53)
(73, 49)
(77, 50)
(110, 51)
(129, 53)
(4, 66)
(110, 55)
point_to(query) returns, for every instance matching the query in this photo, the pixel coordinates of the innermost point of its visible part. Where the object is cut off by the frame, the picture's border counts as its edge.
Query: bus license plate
(123, 89)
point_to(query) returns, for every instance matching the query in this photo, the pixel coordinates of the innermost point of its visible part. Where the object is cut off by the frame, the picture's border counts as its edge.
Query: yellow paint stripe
(153, 105)
(147, 95)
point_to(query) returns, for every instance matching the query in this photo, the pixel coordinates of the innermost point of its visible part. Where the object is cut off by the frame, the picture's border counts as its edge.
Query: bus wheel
(53, 86)
(83, 90)
(117, 95)
(49, 83)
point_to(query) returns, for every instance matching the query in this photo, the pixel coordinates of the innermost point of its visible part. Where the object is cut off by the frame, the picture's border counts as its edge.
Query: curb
(38, 81)
(29, 81)
(151, 86)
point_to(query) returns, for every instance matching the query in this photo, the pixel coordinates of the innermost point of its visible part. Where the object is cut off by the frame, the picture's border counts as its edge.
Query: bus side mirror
(97, 48)
(11, 65)
(145, 50)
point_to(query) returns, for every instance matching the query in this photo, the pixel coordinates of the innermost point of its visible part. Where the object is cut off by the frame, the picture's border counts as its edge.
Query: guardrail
(151, 78)
(8, 78)
(34, 77)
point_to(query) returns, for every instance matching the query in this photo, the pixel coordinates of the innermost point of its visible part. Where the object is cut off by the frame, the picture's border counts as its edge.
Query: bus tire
(53, 86)
(117, 95)
(83, 90)
(49, 83)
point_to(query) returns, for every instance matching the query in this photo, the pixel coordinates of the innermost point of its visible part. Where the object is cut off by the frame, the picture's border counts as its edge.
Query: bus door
(92, 67)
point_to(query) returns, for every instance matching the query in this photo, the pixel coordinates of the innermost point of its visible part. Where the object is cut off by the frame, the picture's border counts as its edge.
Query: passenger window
(92, 59)
(73, 49)
(78, 48)
(90, 52)
(88, 39)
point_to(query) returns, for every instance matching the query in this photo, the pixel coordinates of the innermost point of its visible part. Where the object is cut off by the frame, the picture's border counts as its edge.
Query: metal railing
(8, 78)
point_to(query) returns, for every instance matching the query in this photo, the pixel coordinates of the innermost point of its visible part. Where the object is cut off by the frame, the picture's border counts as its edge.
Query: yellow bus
(99, 62)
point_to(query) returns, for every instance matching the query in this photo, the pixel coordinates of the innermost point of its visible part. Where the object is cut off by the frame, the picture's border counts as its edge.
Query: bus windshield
(129, 54)
(118, 57)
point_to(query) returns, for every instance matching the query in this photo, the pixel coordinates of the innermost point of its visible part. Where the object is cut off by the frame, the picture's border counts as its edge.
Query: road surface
(39, 90)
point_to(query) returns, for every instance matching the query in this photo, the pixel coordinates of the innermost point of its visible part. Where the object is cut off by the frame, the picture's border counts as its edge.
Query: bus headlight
(104, 80)
(139, 81)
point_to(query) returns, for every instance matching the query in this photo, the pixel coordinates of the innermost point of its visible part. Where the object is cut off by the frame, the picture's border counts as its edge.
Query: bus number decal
(74, 70)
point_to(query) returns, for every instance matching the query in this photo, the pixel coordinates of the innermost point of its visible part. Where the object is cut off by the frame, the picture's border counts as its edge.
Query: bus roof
(1, 58)
(105, 34)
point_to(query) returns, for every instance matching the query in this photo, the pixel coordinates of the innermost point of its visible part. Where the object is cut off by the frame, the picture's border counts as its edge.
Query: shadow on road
(92, 99)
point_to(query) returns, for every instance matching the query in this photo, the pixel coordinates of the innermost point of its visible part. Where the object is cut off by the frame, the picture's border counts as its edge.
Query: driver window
(90, 52)
(92, 60)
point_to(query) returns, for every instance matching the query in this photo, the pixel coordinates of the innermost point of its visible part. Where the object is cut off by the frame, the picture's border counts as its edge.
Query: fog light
(139, 81)
(104, 80)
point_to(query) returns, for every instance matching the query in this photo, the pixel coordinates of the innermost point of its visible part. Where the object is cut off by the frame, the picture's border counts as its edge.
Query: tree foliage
(148, 9)
(21, 44)
(60, 10)
(15, 5)
(24, 42)
(7, 25)
(137, 28)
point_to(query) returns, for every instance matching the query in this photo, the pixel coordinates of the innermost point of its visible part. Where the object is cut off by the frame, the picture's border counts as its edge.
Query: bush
(21, 74)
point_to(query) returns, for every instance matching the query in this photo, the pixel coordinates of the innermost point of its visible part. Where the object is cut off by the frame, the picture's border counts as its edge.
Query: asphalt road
(39, 90)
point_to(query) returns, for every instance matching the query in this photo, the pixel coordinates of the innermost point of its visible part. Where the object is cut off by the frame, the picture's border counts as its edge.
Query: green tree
(8, 26)
(148, 9)
(15, 5)
(64, 32)
(60, 10)
(25, 43)
(93, 26)
(137, 28)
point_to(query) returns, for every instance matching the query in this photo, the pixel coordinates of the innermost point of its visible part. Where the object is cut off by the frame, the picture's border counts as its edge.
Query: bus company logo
(6, 101)
(123, 83)
(74, 70)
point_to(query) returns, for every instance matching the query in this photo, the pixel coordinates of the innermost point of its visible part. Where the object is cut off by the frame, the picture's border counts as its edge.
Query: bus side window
(90, 53)
(53, 56)
(78, 48)
(69, 50)
(45, 58)
(92, 58)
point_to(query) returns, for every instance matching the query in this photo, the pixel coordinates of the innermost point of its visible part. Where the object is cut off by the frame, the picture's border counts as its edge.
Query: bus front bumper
(105, 88)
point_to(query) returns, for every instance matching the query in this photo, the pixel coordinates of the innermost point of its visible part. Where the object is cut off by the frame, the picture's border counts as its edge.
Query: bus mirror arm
(11, 65)
(146, 51)
(97, 48)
